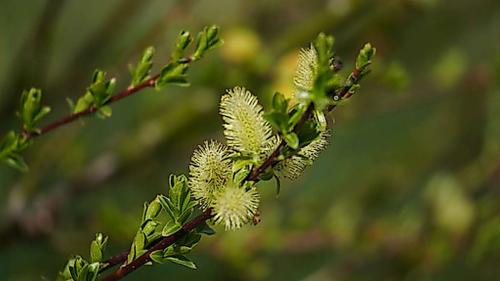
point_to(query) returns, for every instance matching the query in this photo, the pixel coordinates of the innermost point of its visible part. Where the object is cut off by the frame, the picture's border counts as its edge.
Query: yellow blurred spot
(285, 70)
(453, 210)
(241, 45)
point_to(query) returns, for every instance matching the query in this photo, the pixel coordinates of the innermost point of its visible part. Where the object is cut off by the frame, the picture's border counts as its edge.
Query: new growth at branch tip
(221, 187)
(101, 93)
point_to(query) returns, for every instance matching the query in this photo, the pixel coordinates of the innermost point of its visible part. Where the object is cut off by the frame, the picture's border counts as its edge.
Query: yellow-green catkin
(245, 128)
(294, 166)
(210, 170)
(306, 69)
(235, 206)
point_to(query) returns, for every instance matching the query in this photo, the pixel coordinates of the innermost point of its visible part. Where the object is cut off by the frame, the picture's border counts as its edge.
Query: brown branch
(74, 116)
(114, 260)
(119, 96)
(164, 243)
(192, 224)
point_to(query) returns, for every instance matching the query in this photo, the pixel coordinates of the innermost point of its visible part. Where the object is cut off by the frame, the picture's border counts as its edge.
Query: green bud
(183, 40)
(98, 76)
(31, 109)
(153, 209)
(149, 227)
(291, 140)
(10, 147)
(364, 57)
(141, 71)
(181, 260)
(97, 247)
(97, 95)
(173, 73)
(170, 228)
(212, 33)
(201, 45)
(206, 40)
(139, 241)
(280, 103)
(323, 45)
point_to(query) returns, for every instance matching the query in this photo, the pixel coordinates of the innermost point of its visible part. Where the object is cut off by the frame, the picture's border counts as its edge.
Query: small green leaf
(132, 254)
(191, 239)
(291, 140)
(170, 228)
(153, 209)
(43, 111)
(278, 120)
(204, 228)
(173, 73)
(142, 70)
(97, 247)
(308, 133)
(139, 241)
(157, 256)
(181, 260)
(184, 216)
(323, 45)
(105, 111)
(31, 109)
(183, 40)
(295, 114)
(83, 103)
(364, 57)
(167, 207)
(206, 40)
(149, 227)
(89, 272)
(95, 252)
(280, 104)
(16, 162)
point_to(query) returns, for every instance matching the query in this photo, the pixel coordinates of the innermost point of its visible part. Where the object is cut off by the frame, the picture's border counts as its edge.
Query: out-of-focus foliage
(407, 190)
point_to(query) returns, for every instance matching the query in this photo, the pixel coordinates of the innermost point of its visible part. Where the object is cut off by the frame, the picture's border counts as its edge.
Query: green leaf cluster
(284, 119)
(79, 269)
(207, 40)
(363, 63)
(176, 252)
(175, 71)
(148, 230)
(326, 80)
(177, 207)
(97, 95)
(31, 110)
(142, 70)
(11, 146)
(364, 58)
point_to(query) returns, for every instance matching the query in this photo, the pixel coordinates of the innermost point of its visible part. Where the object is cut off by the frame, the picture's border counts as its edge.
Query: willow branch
(270, 161)
(117, 97)
(162, 244)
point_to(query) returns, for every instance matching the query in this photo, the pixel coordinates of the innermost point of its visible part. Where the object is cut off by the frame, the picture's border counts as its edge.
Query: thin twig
(164, 243)
(75, 116)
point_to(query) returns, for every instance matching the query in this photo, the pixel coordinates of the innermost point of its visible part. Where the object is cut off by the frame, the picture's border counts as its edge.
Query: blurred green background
(409, 189)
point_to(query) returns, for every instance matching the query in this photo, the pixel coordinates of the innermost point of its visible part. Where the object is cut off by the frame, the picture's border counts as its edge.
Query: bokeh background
(408, 190)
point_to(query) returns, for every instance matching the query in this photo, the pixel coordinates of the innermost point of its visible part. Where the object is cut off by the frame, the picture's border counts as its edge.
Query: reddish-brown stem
(74, 116)
(162, 244)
